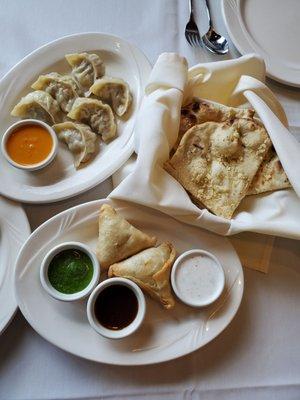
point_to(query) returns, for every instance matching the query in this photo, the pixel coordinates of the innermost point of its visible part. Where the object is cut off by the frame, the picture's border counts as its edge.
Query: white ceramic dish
(33, 167)
(131, 328)
(197, 278)
(270, 30)
(14, 230)
(60, 180)
(164, 335)
(45, 265)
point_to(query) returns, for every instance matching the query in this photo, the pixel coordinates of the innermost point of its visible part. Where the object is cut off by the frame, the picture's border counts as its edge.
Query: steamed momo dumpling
(61, 87)
(79, 138)
(97, 115)
(86, 68)
(38, 105)
(113, 91)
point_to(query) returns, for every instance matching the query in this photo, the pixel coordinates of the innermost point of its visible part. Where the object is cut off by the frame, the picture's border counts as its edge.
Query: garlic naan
(200, 111)
(216, 162)
(270, 175)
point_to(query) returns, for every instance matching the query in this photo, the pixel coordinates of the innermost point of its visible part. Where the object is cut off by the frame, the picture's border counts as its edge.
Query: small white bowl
(30, 167)
(133, 326)
(197, 278)
(45, 265)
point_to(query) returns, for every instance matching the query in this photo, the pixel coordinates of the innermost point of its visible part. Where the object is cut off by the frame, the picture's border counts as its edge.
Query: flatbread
(270, 175)
(150, 269)
(217, 161)
(199, 111)
(118, 239)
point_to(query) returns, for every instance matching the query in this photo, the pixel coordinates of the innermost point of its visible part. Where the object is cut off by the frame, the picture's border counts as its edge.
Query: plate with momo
(95, 83)
(140, 244)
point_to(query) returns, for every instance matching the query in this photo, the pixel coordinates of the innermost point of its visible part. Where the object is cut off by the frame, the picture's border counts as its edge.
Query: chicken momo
(61, 87)
(38, 105)
(115, 92)
(97, 115)
(79, 138)
(86, 68)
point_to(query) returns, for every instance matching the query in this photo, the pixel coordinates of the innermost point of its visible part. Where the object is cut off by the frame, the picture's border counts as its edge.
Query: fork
(192, 34)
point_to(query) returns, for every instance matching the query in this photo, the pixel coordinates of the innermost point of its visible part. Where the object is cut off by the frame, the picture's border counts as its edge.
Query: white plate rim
(22, 231)
(35, 326)
(243, 45)
(126, 150)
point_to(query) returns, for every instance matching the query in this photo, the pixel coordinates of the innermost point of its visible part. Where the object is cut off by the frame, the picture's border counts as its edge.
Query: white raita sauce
(199, 279)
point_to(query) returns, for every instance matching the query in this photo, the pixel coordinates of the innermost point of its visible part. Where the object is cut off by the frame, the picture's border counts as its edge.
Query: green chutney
(70, 271)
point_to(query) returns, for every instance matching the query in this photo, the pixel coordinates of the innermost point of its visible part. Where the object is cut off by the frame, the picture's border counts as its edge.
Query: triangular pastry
(150, 269)
(118, 239)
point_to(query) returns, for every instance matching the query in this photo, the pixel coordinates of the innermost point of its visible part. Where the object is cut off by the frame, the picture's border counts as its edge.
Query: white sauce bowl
(30, 167)
(129, 329)
(197, 278)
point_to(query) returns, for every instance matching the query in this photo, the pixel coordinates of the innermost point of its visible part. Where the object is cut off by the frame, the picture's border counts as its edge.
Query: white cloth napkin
(275, 213)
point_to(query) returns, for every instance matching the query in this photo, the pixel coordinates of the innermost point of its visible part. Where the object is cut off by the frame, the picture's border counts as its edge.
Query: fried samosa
(118, 239)
(150, 269)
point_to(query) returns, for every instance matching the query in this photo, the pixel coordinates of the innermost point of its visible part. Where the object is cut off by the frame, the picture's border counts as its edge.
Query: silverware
(192, 34)
(214, 42)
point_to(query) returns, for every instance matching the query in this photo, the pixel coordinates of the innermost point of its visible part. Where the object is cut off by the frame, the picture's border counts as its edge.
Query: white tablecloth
(258, 355)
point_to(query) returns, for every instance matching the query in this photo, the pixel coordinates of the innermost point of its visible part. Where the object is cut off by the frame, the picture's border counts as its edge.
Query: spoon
(214, 42)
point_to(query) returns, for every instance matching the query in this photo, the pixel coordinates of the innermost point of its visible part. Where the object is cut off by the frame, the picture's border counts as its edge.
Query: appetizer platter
(122, 283)
(68, 112)
(14, 230)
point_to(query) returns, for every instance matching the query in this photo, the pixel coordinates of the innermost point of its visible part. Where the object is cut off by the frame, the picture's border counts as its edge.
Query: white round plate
(60, 180)
(14, 230)
(164, 335)
(271, 29)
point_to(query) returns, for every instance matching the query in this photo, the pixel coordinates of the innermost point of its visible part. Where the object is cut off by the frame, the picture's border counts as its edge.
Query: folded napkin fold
(275, 213)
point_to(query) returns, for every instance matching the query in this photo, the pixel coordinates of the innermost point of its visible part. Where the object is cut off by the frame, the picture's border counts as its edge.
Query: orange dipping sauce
(29, 144)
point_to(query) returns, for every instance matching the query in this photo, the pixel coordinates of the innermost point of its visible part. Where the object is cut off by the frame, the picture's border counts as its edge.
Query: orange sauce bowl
(29, 144)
